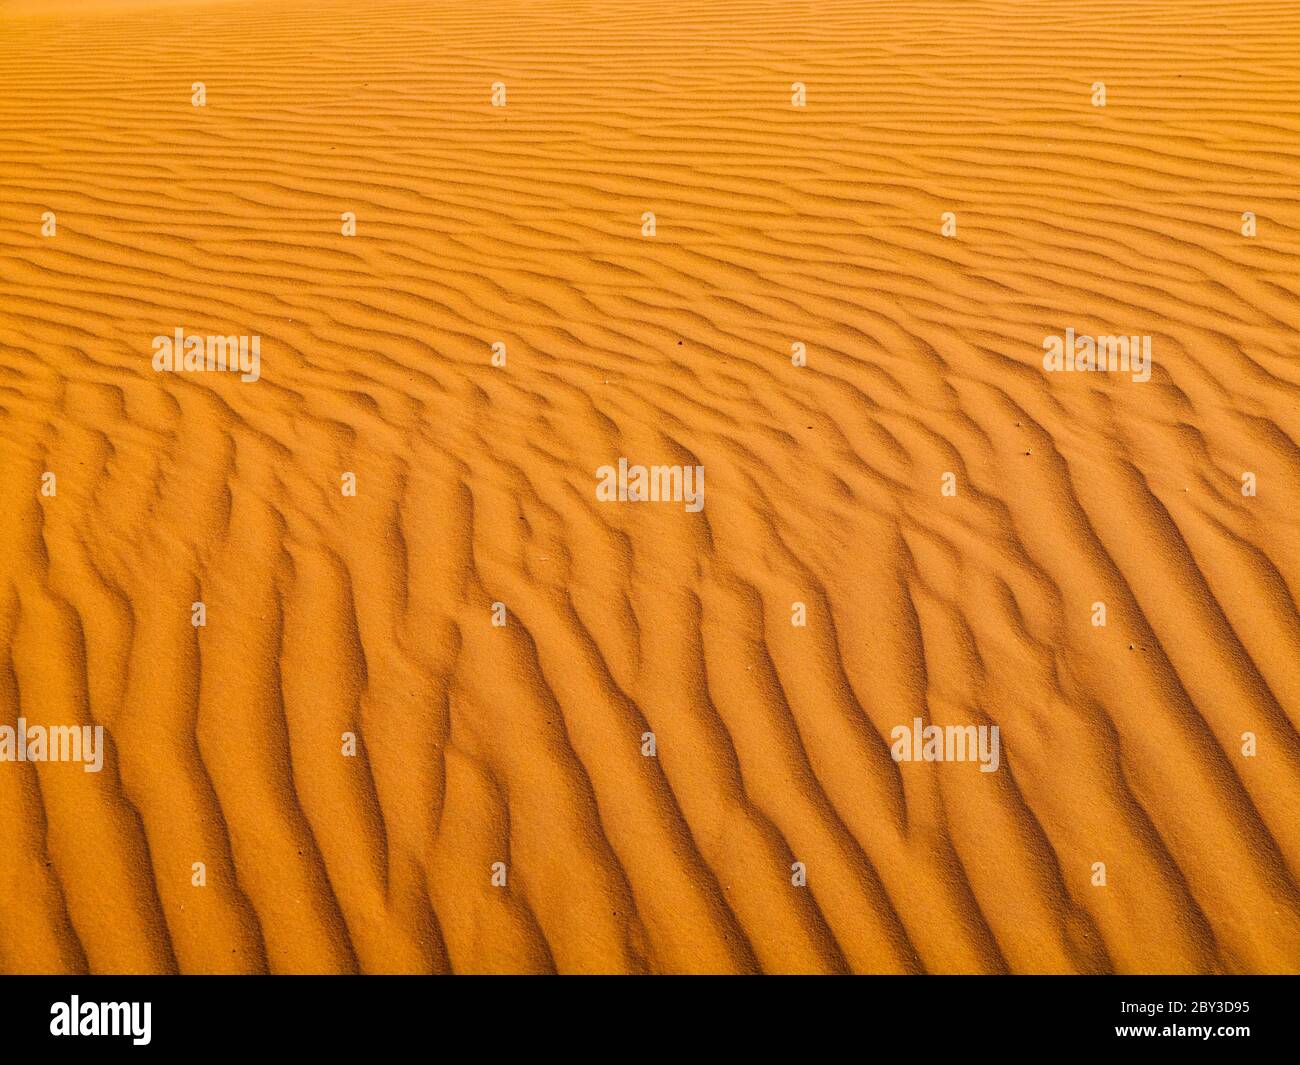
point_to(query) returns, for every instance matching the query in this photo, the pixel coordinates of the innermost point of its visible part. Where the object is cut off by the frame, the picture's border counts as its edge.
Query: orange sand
(522, 744)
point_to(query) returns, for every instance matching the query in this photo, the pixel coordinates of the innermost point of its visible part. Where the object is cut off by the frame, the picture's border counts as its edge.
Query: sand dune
(524, 743)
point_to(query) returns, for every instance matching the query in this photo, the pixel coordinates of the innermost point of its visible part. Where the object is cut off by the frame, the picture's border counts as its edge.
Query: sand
(942, 512)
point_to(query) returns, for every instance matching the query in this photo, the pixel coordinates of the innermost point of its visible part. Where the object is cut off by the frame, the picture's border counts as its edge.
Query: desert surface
(665, 514)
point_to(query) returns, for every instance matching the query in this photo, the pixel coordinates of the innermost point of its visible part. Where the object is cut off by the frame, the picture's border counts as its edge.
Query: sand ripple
(522, 744)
